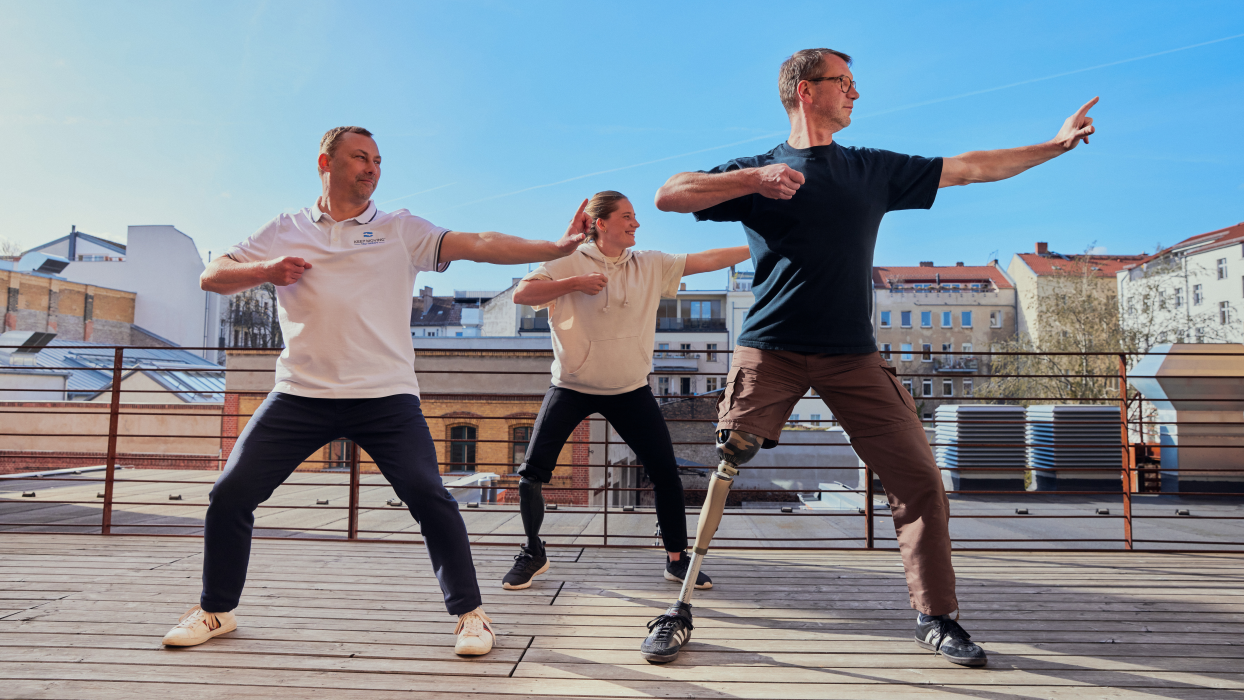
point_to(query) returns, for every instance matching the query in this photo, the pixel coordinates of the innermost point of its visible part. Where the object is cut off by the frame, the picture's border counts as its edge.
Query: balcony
(956, 365)
(539, 324)
(694, 325)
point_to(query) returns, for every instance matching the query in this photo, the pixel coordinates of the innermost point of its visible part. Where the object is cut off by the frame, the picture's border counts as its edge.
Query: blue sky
(207, 116)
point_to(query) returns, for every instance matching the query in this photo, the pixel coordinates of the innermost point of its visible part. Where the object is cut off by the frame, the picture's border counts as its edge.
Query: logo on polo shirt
(369, 238)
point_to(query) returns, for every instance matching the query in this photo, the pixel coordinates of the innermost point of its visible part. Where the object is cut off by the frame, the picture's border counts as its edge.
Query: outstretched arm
(538, 292)
(991, 166)
(224, 275)
(690, 192)
(715, 259)
(500, 249)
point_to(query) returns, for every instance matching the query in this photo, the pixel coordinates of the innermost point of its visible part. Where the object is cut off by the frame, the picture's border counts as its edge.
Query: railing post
(1127, 462)
(868, 507)
(114, 419)
(605, 542)
(352, 521)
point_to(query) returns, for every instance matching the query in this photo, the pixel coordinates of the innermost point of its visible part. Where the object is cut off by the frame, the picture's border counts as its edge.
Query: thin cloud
(873, 114)
(412, 194)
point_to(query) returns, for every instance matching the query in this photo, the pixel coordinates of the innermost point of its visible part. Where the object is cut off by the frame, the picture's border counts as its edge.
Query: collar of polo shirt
(365, 218)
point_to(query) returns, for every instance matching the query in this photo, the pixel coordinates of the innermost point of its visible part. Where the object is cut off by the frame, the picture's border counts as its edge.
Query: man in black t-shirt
(811, 210)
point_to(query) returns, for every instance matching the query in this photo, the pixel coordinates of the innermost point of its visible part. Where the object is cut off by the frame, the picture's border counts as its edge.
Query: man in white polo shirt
(344, 273)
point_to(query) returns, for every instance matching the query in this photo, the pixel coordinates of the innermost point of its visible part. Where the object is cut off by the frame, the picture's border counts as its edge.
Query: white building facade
(162, 266)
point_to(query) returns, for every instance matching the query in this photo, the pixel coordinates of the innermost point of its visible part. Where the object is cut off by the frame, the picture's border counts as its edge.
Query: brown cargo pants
(880, 417)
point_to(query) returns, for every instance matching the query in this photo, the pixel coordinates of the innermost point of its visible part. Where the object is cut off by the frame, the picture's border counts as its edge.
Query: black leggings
(637, 418)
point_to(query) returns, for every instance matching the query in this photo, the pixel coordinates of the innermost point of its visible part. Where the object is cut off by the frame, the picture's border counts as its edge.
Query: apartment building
(161, 265)
(696, 334)
(459, 316)
(1190, 292)
(1040, 277)
(929, 321)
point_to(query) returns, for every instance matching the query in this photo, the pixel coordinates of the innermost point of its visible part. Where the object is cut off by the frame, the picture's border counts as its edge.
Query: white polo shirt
(346, 321)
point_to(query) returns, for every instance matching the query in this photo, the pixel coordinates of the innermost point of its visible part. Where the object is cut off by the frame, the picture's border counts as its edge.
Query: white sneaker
(475, 636)
(198, 626)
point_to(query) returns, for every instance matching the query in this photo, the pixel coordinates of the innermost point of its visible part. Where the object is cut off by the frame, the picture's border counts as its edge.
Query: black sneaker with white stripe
(667, 634)
(944, 636)
(677, 571)
(528, 564)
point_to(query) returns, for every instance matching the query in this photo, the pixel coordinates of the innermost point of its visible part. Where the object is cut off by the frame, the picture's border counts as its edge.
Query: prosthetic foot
(673, 629)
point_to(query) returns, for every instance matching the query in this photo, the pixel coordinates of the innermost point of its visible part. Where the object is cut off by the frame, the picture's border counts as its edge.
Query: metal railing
(1139, 477)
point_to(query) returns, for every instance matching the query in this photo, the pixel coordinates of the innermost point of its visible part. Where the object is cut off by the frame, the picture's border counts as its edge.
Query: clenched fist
(286, 271)
(591, 283)
(778, 181)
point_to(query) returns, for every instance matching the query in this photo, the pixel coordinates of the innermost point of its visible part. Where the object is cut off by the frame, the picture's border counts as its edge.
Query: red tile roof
(1054, 263)
(1200, 243)
(884, 276)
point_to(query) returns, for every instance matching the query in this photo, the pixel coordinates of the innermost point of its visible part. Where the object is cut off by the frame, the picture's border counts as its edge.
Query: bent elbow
(663, 200)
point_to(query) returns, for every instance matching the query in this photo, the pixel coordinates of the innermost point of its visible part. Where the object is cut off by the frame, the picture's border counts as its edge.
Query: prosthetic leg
(671, 630)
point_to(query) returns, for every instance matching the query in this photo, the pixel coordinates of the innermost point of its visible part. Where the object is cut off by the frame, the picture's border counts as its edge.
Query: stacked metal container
(1074, 448)
(981, 448)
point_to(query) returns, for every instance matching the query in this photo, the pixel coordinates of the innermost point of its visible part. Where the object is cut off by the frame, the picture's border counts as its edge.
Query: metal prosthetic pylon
(710, 517)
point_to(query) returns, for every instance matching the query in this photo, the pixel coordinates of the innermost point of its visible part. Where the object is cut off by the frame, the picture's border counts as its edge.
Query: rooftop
(82, 617)
(885, 277)
(90, 369)
(1200, 243)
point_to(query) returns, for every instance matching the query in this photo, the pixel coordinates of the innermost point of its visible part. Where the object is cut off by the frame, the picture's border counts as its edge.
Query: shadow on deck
(81, 616)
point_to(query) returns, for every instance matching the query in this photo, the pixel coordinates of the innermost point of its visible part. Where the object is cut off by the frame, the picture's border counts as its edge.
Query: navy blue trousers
(285, 431)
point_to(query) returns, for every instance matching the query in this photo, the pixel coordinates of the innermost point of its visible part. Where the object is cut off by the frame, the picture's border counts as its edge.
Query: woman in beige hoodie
(602, 301)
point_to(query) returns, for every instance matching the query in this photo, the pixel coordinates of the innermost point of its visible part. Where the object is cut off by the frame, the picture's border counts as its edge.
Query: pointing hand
(1078, 126)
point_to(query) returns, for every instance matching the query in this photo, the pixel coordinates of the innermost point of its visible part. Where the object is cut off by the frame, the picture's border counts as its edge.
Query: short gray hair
(801, 66)
(328, 144)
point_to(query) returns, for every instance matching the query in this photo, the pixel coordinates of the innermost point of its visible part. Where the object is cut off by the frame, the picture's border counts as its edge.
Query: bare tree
(9, 249)
(252, 319)
(1081, 313)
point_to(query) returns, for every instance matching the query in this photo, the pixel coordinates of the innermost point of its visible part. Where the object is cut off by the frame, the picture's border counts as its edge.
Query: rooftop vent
(926, 263)
(958, 264)
(41, 263)
(23, 347)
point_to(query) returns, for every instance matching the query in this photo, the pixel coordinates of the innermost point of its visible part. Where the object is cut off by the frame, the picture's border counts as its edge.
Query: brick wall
(14, 461)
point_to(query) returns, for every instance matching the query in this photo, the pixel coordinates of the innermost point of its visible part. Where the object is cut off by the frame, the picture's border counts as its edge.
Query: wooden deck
(81, 616)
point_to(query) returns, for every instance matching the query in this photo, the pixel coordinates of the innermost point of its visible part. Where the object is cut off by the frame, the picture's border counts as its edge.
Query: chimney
(73, 243)
(682, 287)
(958, 264)
(426, 295)
(1043, 248)
(926, 263)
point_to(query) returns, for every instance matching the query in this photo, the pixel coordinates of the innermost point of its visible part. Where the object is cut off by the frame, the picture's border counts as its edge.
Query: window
(967, 387)
(926, 354)
(926, 387)
(926, 319)
(885, 319)
(1222, 268)
(816, 420)
(340, 453)
(946, 319)
(948, 387)
(905, 317)
(1162, 299)
(965, 319)
(462, 448)
(684, 347)
(907, 385)
(907, 351)
(885, 351)
(663, 386)
(1224, 313)
(685, 386)
(662, 347)
(712, 356)
(967, 347)
(995, 319)
(1197, 295)
(1179, 298)
(521, 434)
(794, 419)
(948, 348)
(710, 384)
(1200, 335)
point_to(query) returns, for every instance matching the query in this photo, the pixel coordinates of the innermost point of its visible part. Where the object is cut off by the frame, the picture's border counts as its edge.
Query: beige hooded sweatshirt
(603, 344)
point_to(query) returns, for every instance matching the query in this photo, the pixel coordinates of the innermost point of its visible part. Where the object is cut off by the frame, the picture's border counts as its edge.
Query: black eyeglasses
(844, 82)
